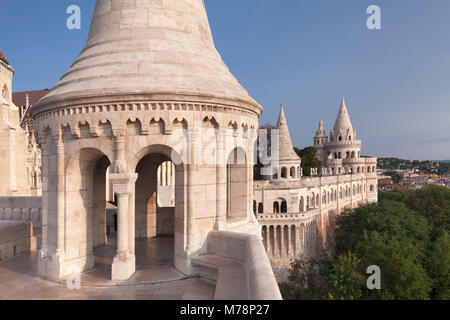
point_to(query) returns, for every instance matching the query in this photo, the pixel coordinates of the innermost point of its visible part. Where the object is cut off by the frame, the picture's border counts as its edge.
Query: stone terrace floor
(155, 278)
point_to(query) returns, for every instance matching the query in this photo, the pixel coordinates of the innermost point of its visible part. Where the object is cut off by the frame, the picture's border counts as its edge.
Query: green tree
(309, 159)
(396, 177)
(439, 267)
(433, 203)
(387, 216)
(323, 278)
(344, 280)
(402, 275)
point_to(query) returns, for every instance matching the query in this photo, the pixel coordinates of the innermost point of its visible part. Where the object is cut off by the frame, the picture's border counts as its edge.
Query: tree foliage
(406, 234)
(309, 159)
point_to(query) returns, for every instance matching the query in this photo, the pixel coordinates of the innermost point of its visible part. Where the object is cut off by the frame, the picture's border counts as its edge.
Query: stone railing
(257, 280)
(22, 209)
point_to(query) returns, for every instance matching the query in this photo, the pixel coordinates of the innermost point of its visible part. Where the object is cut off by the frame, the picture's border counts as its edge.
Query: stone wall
(16, 238)
(22, 209)
(257, 281)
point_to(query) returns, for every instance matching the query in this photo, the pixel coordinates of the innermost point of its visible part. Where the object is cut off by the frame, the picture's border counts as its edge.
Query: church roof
(2, 58)
(286, 152)
(19, 98)
(343, 119)
(147, 49)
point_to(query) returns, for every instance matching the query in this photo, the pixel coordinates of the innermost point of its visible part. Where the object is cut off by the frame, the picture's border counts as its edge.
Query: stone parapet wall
(258, 279)
(22, 209)
(16, 238)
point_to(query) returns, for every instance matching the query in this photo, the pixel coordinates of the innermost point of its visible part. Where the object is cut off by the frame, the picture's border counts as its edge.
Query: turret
(320, 139)
(343, 148)
(289, 162)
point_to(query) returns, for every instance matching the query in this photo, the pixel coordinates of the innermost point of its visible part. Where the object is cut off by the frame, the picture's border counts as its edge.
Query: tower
(289, 163)
(145, 85)
(343, 147)
(320, 139)
(13, 180)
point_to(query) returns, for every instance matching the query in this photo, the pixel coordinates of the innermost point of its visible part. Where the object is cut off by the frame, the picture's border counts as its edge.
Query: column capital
(123, 182)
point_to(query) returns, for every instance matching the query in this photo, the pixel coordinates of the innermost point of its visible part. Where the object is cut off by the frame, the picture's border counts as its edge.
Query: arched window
(372, 189)
(283, 206)
(308, 205)
(340, 138)
(340, 155)
(276, 207)
(353, 154)
(283, 173)
(335, 155)
(324, 197)
(368, 169)
(260, 208)
(313, 200)
(254, 207)
(292, 173)
(358, 170)
(317, 200)
(301, 206)
(347, 154)
(373, 169)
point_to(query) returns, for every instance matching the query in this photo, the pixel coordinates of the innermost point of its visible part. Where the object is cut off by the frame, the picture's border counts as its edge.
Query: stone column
(60, 196)
(221, 184)
(288, 242)
(124, 263)
(44, 211)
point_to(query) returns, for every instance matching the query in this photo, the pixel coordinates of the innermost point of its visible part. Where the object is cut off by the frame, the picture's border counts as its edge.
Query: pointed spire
(286, 151)
(321, 130)
(343, 119)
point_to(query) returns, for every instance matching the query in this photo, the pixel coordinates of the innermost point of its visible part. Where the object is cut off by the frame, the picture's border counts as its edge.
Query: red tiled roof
(2, 57)
(19, 98)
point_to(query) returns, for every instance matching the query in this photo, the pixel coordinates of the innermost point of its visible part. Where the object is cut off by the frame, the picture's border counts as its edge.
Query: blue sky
(306, 54)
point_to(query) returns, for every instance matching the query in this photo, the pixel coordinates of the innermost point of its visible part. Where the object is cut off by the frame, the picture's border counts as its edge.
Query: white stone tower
(343, 145)
(289, 163)
(320, 139)
(147, 82)
(13, 180)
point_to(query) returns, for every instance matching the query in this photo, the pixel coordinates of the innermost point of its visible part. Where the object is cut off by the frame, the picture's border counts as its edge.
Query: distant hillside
(427, 166)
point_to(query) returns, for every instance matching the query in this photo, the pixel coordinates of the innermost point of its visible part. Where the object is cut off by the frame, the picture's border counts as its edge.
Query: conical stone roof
(150, 47)
(343, 119)
(286, 152)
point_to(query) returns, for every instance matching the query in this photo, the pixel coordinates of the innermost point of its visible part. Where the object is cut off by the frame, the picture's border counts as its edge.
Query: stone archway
(85, 202)
(161, 226)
